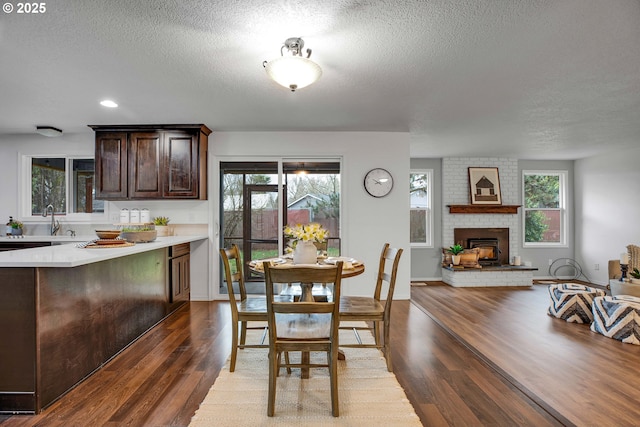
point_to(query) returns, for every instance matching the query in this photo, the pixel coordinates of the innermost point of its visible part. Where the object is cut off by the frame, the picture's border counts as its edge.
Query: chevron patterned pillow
(617, 317)
(572, 302)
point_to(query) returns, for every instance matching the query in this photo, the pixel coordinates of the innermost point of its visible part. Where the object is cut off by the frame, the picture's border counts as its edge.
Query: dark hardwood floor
(161, 379)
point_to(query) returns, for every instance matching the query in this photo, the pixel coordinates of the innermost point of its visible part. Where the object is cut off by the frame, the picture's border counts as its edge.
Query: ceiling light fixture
(295, 71)
(108, 103)
(49, 131)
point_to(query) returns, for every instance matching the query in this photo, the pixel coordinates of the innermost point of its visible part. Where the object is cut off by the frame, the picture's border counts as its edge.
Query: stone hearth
(488, 276)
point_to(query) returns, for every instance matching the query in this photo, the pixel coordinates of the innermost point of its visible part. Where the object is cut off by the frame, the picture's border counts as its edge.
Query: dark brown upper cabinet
(111, 165)
(151, 161)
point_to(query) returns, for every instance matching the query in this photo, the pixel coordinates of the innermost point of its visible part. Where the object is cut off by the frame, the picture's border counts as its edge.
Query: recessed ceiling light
(108, 103)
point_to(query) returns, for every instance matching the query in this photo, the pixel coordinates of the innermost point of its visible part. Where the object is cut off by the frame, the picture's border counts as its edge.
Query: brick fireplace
(456, 191)
(489, 230)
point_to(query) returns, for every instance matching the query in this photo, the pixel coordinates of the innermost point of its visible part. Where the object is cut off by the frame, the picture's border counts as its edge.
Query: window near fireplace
(545, 211)
(421, 215)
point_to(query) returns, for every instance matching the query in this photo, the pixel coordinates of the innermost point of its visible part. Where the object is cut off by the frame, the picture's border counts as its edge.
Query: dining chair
(243, 309)
(372, 309)
(302, 326)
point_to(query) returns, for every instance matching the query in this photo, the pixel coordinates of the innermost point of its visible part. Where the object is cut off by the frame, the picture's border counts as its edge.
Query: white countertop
(52, 239)
(69, 255)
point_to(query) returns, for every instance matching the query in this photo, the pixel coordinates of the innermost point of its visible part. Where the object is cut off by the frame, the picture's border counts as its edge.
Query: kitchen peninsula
(65, 311)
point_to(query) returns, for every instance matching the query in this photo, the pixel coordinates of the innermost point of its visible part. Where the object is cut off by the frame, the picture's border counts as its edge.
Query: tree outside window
(65, 183)
(48, 185)
(544, 208)
(420, 194)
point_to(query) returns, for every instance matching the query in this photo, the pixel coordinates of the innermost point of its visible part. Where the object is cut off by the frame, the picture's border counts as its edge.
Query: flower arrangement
(16, 224)
(312, 232)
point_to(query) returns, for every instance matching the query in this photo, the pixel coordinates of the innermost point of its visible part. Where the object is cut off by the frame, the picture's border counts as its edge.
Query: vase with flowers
(302, 239)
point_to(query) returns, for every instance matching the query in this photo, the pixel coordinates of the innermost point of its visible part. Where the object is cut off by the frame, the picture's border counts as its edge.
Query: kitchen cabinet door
(145, 165)
(180, 278)
(111, 165)
(180, 165)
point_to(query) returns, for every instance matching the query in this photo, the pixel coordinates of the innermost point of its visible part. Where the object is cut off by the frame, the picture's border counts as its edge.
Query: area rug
(369, 395)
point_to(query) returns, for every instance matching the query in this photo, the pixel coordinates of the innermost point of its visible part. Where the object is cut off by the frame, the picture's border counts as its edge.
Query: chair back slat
(302, 273)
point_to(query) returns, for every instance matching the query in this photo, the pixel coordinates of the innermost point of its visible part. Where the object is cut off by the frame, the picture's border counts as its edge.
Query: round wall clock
(378, 182)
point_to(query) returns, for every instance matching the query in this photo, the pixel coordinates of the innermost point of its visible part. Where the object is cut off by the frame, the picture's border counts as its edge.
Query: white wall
(607, 206)
(367, 222)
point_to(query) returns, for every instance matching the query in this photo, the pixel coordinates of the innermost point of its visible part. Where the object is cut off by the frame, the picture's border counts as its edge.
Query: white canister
(134, 217)
(145, 215)
(516, 260)
(124, 215)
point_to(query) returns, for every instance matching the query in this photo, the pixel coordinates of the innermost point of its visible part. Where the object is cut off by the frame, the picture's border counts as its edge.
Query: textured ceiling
(537, 79)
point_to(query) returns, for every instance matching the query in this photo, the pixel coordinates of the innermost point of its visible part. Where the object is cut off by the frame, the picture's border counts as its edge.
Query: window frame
(428, 209)
(25, 191)
(563, 208)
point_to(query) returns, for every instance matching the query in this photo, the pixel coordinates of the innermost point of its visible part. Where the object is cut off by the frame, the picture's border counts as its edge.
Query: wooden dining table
(353, 268)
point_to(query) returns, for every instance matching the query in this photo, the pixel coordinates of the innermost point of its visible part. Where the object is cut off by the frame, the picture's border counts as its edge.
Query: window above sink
(65, 182)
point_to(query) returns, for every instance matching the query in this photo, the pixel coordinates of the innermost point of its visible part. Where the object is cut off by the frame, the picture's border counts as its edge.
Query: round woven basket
(139, 236)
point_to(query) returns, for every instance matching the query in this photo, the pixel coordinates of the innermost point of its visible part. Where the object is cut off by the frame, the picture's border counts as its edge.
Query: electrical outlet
(550, 261)
(596, 267)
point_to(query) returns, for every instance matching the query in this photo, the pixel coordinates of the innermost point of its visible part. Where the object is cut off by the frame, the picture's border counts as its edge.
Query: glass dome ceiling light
(293, 71)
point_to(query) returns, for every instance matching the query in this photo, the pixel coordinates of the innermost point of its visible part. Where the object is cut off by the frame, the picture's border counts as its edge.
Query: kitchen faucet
(55, 225)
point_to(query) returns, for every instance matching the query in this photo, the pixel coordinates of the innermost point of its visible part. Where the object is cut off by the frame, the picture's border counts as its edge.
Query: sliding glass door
(254, 209)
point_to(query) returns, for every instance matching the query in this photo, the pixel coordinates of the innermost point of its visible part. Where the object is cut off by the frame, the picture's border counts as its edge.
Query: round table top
(357, 266)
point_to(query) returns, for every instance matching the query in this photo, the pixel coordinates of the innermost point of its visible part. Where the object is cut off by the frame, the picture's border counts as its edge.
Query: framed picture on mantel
(484, 184)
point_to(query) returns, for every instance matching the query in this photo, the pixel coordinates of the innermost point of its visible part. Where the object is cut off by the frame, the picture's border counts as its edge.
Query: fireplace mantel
(483, 209)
